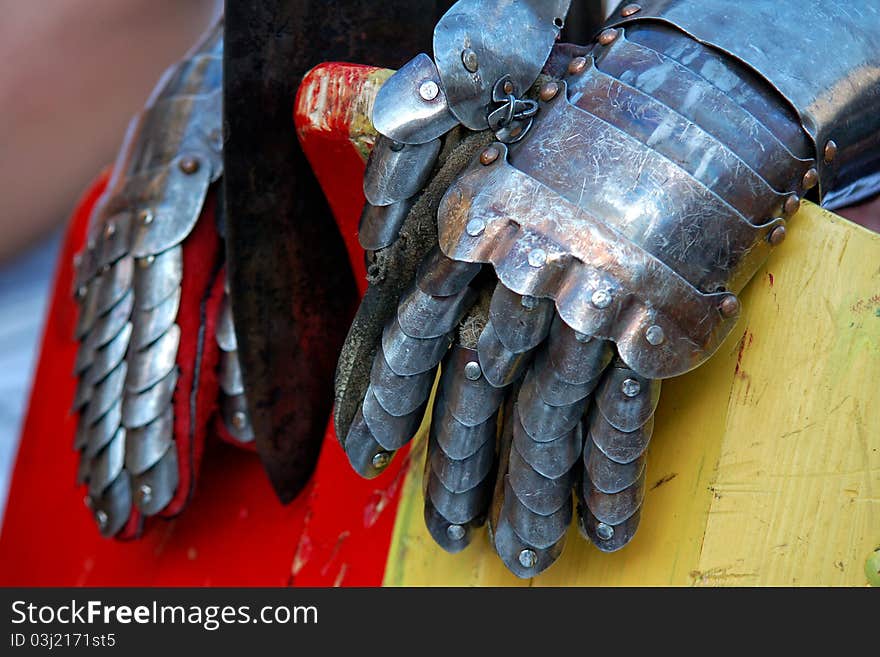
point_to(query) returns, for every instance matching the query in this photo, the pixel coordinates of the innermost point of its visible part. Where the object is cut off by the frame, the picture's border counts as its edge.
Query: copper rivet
(508, 87)
(516, 132)
(189, 165)
(577, 65)
(470, 61)
(109, 229)
(489, 155)
(792, 205)
(548, 91)
(239, 420)
(729, 306)
(629, 10)
(811, 177)
(777, 236)
(607, 37)
(830, 150)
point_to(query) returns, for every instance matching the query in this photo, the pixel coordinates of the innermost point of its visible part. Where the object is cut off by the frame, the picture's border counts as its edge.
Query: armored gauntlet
(559, 228)
(155, 328)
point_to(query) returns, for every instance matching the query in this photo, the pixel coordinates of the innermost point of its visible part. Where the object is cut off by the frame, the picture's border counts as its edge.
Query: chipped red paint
(234, 532)
(332, 109)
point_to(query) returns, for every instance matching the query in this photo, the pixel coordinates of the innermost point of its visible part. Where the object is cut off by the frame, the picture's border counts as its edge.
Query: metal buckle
(512, 118)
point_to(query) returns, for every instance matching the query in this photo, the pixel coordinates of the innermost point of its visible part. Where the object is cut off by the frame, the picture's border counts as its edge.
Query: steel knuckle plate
(389, 431)
(460, 476)
(397, 172)
(441, 530)
(408, 356)
(107, 464)
(236, 418)
(538, 493)
(96, 436)
(626, 400)
(500, 366)
(542, 421)
(620, 535)
(165, 218)
(471, 401)
(409, 112)
(477, 43)
(116, 504)
(230, 374)
(399, 395)
(551, 459)
(614, 508)
(361, 448)
(459, 508)
(157, 278)
(380, 224)
(151, 324)
(511, 548)
(155, 488)
(521, 323)
(540, 531)
(142, 408)
(609, 476)
(146, 445)
(108, 357)
(422, 315)
(553, 390)
(225, 327)
(441, 276)
(617, 445)
(153, 363)
(105, 394)
(459, 441)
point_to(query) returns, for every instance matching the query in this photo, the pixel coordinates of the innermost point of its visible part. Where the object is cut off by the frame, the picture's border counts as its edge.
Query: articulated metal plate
(398, 171)
(411, 107)
(545, 246)
(823, 57)
(476, 43)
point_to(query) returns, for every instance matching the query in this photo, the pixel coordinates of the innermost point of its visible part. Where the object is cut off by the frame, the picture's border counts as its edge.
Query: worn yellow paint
(765, 463)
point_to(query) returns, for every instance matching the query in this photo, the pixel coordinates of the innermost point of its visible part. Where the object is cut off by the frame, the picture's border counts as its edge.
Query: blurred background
(72, 74)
